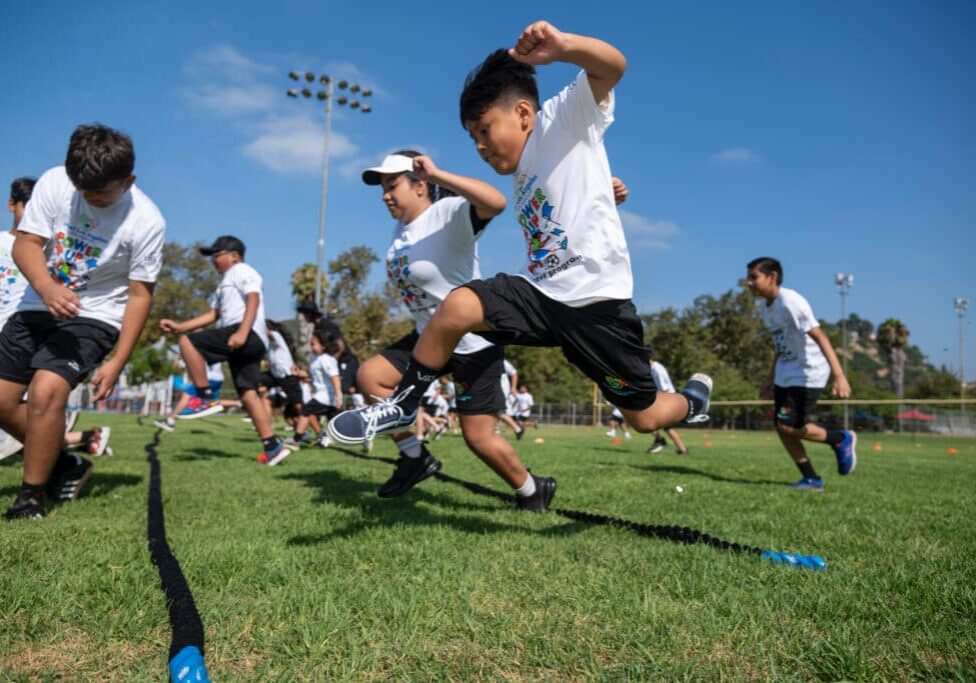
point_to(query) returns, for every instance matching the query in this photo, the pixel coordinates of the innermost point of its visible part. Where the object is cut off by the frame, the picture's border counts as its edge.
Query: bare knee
(460, 312)
(791, 432)
(45, 400)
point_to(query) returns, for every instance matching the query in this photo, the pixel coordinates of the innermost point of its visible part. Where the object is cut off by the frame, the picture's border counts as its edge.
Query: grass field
(301, 573)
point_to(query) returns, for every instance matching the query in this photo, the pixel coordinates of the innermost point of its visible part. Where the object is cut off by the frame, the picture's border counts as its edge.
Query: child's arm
(202, 320)
(337, 390)
(542, 43)
(766, 391)
(239, 338)
(133, 321)
(841, 388)
(486, 200)
(28, 254)
(620, 191)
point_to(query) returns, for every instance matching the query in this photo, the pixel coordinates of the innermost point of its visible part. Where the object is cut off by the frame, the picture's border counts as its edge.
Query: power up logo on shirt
(398, 271)
(76, 253)
(543, 235)
(8, 282)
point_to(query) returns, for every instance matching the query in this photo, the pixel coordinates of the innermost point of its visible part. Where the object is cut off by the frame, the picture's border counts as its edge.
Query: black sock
(299, 436)
(419, 377)
(204, 393)
(834, 437)
(806, 468)
(695, 405)
(270, 443)
(86, 436)
(32, 491)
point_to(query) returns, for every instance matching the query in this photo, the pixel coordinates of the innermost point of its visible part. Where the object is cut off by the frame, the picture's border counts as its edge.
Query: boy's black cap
(307, 306)
(224, 243)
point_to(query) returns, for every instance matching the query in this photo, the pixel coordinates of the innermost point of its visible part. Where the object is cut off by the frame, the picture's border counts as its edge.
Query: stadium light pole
(326, 96)
(844, 282)
(961, 306)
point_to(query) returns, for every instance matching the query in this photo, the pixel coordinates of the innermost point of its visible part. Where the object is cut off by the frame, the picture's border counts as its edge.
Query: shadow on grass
(99, 485)
(680, 469)
(200, 453)
(411, 509)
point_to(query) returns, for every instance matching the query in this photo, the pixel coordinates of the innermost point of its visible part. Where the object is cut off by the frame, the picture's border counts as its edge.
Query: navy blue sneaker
(699, 386)
(846, 454)
(408, 473)
(354, 427)
(809, 484)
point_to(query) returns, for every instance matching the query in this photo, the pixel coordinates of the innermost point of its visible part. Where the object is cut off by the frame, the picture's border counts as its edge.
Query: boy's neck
(772, 297)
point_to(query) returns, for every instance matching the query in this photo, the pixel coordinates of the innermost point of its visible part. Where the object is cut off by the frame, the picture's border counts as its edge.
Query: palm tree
(893, 339)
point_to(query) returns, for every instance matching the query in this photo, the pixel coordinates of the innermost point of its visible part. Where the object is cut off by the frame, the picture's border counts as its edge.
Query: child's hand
(236, 340)
(540, 43)
(60, 301)
(425, 168)
(620, 191)
(104, 380)
(841, 388)
(169, 326)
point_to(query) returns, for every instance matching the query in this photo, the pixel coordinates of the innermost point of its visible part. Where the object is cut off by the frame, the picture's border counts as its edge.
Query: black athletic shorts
(314, 407)
(292, 386)
(68, 347)
(795, 406)
(605, 339)
(244, 362)
(477, 376)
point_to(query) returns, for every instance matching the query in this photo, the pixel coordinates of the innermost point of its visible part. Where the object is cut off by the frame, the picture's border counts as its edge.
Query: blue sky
(836, 136)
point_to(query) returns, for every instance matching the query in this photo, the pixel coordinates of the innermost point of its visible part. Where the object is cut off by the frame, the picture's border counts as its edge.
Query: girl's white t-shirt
(431, 256)
(93, 251)
(230, 298)
(322, 370)
(799, 360)
(12, 282)
(280, 361)
(575, 244)
(662, 380)
(523, 404)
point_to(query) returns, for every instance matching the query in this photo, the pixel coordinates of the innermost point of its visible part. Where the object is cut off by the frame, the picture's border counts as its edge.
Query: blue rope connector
(188, 667)
(814, 562)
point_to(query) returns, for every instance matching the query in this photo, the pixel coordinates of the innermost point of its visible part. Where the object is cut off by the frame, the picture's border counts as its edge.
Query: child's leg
(792, 442)
(256, 411)
(668, 409)
(493, 449)
(47, 397)
(316, 424)
(678, 443)
(196, 364)
(13, 412)
(507, 419)
(180, 405)
(461, 312)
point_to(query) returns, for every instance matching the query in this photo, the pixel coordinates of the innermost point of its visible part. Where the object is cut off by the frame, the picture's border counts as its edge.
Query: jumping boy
(241, 339)
(662, 380)
(575, 291)
(804, 361)
(90, 245)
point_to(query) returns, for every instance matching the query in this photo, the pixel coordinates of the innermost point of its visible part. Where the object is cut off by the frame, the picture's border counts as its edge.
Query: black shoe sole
(429, 471)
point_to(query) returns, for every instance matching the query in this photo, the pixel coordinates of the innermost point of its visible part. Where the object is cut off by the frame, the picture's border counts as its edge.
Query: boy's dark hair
(285, 334)
(434, 192)
(329, 342)
(500, 79)
(767, 265)
(98, 155)
(20, 189)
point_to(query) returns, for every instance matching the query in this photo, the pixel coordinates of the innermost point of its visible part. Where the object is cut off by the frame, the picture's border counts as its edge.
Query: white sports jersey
(231, 298)
(577, 253)
(523, 404)
(799, 360)
(322, 370)
(12, 283)
(662, 380)
(280, 361)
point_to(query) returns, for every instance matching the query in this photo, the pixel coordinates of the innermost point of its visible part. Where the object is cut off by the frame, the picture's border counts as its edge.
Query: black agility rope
(186, 643)
(676, 534)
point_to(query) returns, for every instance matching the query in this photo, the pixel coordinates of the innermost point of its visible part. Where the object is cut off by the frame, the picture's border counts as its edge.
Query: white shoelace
(384, 407)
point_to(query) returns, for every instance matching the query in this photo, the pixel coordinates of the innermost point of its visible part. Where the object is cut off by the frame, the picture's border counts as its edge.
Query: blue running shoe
(809, 484)
(700, 387)
(846, 454)
(354, 427)
(197, 407)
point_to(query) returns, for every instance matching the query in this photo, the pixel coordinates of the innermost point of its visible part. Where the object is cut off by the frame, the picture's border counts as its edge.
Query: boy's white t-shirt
(322, 370)
(94, 251)
(432, 391)
(215, 373)
(431, 256)
(662, 380)
(12, 282)
(280, 361)
(799, 360)
(577, 252)
(523, 404)
(231, 298)
(507, 378)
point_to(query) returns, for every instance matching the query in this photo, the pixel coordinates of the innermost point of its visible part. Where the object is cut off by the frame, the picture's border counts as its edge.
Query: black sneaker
(520, 433)
(408, 473)
(69, 475)
(658, 445)
(28, 507)
(545, 489)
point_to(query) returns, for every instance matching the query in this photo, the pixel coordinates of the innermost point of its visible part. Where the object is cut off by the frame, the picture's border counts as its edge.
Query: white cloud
(294, 144)
(227, 83)
(735, 155)
(645, 233)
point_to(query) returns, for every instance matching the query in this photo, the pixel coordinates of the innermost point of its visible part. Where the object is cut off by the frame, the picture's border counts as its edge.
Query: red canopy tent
(915, 414)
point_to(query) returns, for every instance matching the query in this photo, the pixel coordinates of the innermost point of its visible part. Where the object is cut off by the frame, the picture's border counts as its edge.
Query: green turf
(301, 573)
